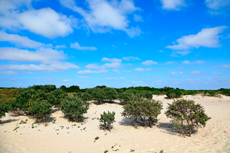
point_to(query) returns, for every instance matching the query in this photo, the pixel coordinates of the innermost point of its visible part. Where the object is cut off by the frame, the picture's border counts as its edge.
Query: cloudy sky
(117, 43)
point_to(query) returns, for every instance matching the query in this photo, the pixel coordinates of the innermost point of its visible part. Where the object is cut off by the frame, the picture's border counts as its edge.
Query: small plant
(174, 93)
(132, 150)
(16, 128)
(54, 121)
(106, 151)
(4, 108)
(107, 119)
(186, 115)
(96, 138)
(23, 122)
(162, 151)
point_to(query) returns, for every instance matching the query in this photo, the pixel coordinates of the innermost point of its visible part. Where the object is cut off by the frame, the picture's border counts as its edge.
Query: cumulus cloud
(196, 62)
(207, 37)
(218, 6)
(8, 72)
(77, 46)
(115, 60)
(172, 4)
(91, 72)
(42, 67)
(130, 58)
(44, 55)
(112, 65)
(94, 66)
(182, 53)
(170, 62)
(139, 69)
(225, 66)
(121, 78)
(195, 72)
(176, 73)
(83, 77)
(117, 71)
(102, 16)
(45, 21)
(149, 62)
(138, 18)
(19, 40)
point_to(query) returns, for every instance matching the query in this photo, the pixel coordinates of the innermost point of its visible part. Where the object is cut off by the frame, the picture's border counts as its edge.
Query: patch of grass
(96, 138)
(15, 128)
(132, 150)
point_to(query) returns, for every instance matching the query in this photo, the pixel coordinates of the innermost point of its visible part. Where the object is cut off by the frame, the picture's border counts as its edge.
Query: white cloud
(196, 62)
(138, 18)
(77, 46)
(91, 72)
(45, 21)
(44, 55)
(170, 62)
(112, 65)
(8, 72)
(149, 62)
(83, 77)
(139, 69)
(66, 80)
(128, 71)
(28, 73)
(114, 60)
(130, 58)
(121, 78)
(182, 53)
(42, 67)
(148, 69)
(195, 72)
(117, 71)
(19, 40)
(217, 4)
(102, 16)
(207, 37)
(176, 73)
(225, 66)
(60, 46)
(217, 74)
(172, 4)
(94, 66)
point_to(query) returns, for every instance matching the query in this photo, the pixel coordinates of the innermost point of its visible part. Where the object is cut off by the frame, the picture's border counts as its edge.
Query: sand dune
(65, 137)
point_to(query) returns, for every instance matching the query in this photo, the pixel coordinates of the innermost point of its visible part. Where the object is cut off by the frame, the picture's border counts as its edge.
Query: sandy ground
(69, 137)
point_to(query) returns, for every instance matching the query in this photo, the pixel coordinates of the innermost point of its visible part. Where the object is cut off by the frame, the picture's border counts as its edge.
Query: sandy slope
(76, 139)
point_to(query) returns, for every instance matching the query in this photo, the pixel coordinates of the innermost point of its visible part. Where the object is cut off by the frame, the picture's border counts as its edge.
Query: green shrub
(110, 94)
(40, 110)
(146, 110)
(126, 96)
(146, 94)
(98, 95)
(174, 93)
(4, 108)
(58, 94)
(107, 119)
(186, 115)
(73, 108)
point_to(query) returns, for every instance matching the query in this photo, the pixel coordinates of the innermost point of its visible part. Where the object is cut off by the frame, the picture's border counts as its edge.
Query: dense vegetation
(140, 108)
(186, 115)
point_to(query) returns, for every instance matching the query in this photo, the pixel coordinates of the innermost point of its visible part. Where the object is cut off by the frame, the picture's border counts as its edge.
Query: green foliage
(4, 108)
(174, 93)
(58, 94)
(146, 94)
(126, 96)
(110, 93)
(73, 108)
(225, 92)
(107, 119)
(186, 115)
(40, 110)
(98, 95)
(146, 110)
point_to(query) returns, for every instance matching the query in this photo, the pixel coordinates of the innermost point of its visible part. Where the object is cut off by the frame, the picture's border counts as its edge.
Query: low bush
(4, 108)
(186, 115)
(126, 96)
(107, 119)
(174, 93)
(40, 110)
(58, 94)
(73, 108)
(146, 110)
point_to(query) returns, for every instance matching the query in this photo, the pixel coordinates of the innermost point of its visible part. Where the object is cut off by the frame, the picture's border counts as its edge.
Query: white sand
(41, 139)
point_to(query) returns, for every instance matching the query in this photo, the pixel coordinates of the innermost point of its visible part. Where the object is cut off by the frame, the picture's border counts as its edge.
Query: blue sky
(117, 43)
